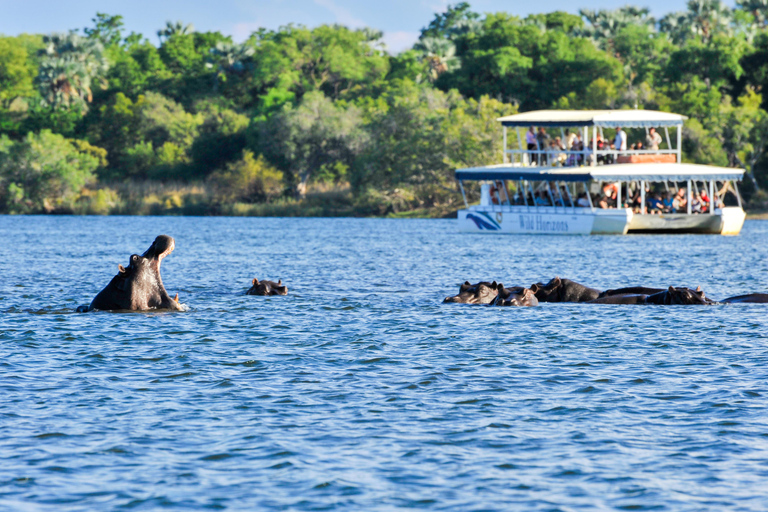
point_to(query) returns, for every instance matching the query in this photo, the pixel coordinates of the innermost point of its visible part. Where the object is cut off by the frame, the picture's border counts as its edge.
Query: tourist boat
(552, 191)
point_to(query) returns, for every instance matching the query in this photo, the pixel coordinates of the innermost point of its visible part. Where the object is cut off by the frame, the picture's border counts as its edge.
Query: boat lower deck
(585, 221)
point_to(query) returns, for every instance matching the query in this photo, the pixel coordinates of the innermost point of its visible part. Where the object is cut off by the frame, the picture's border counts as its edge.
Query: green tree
(43, 172)
(314, 134)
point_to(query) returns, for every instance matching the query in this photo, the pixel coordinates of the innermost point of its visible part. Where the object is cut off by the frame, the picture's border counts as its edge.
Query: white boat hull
(585, 221)
(543, 220)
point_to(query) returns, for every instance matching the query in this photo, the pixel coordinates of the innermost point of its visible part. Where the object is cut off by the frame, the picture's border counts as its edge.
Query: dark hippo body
(678, 297)
(138, 287)
(564, 290)
(633, 290)
(479, 293)
(632, 298)
(267, 288)
(752, 298)
(517, 296)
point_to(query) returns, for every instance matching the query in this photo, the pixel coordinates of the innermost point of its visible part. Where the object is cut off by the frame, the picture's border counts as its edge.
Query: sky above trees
(400, 20)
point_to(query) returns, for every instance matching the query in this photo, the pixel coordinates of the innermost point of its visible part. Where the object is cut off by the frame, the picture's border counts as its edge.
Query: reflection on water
(360, 390)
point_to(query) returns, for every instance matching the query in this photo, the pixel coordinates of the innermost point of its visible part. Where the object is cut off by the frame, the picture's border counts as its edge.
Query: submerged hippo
(139, 287)
(754, 298)
(633, 290)
(267, 288)
(678, 296)
(517, 296)
(564, 290)
(479, 293)
(630, 298)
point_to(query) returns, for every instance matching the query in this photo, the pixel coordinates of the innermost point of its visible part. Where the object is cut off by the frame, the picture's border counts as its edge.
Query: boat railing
(561, 157)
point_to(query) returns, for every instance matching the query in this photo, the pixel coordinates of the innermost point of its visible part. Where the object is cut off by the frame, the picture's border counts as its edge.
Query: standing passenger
(543, 139)
(652, 140)
(530, 139)
(620, 142)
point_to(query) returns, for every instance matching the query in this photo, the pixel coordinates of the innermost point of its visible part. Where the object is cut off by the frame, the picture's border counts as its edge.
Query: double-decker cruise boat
(596, 188)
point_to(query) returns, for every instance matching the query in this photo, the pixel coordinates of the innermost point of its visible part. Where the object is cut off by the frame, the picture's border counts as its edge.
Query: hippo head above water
(139, 287)
(517, 296)
(563, 290)
(267, 288)
(678, 297)
(480, 293)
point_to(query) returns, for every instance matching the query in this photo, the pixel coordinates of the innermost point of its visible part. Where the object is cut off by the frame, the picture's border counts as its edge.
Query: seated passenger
(704, 200)
(654, 204)
(583, 200)
(681, 201)
(696, 203)
(668, 203)
(542, 199)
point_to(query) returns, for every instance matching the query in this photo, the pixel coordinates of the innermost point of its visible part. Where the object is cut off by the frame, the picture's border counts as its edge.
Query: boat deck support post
(642, 198)
(463, 195)
(688, 197)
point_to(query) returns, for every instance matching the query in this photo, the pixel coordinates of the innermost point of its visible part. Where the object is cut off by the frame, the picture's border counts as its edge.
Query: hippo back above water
(138, 287)
(564, 290)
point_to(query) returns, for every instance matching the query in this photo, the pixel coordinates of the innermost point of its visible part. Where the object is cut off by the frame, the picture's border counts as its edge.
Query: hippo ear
(500, 287)
(279, 282)
(494, 285)
(255, 281)
(467, 283)
(671, 289)
(120, 268)
(698, 288)
(534, 288)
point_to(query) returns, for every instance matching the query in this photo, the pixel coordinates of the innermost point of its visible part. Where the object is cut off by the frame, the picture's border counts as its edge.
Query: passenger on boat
(542, 199)
(530, 139)
(704, 200)
(583, 200)
(636, 202)
(696, 203)
(542, 138)
(667, 202)
(680, 201)
(655, 205)
(556, 155)
(620, 142)
(570, 139)
(652, 140)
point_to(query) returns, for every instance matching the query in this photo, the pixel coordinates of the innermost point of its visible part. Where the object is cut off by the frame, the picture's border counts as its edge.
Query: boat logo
(484, 221)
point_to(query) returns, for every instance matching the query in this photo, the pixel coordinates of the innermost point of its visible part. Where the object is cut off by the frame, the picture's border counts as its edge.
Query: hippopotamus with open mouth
(139, 287)
(564, 290)
(479, 293)
(517, 296)
(267, 288)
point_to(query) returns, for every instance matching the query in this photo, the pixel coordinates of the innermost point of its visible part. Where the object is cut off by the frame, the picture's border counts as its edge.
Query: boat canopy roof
(614, 172)
(601, 118)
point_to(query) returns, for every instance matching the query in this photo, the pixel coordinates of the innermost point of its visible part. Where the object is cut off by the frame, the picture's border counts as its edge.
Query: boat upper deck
(615, 172)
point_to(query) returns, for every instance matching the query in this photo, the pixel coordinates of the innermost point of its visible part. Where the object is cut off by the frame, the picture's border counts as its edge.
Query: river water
(360, 390)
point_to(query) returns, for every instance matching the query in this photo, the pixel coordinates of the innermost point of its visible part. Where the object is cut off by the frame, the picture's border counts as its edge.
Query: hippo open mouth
(160, 248)
(139, 286)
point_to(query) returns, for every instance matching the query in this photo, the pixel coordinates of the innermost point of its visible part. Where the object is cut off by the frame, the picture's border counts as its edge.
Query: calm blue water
(360, 390)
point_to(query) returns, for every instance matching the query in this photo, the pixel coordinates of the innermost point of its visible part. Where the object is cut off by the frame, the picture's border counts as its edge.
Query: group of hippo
(139, 287)
(565, 290)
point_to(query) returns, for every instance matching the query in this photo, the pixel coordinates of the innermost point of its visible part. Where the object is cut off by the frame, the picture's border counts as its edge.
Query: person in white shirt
(620, 142)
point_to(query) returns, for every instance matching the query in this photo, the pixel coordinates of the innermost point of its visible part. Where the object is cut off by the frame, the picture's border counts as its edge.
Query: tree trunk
(301, 188)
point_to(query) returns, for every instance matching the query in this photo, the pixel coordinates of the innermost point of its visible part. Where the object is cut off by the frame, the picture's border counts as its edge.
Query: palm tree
(439, 54)
(708, 17)
(231, 58)
(604, 25)
(171, 29)
(758, 9)
(69, 64)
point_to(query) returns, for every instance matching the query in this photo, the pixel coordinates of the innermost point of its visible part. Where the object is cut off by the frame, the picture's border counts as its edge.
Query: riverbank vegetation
(323, 121)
